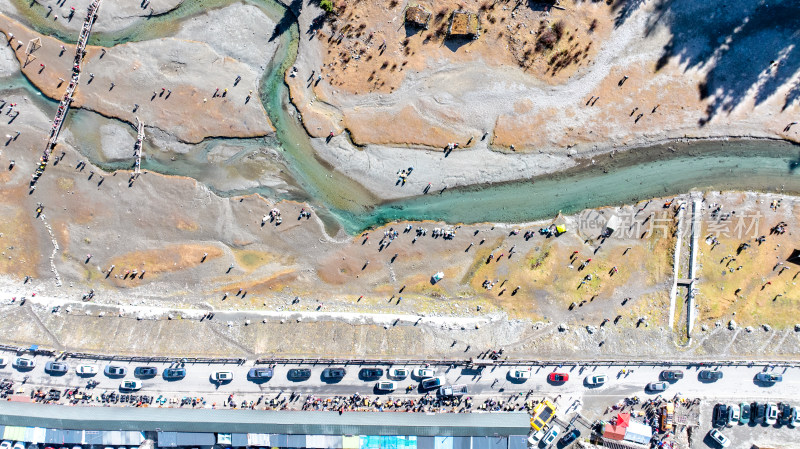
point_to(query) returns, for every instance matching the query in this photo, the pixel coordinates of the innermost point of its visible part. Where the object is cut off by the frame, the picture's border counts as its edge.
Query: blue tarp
(443, 443)
(517, 442)
(462, 442)
(426, 443)
(279, 440)
(239, 439)
(296, 441)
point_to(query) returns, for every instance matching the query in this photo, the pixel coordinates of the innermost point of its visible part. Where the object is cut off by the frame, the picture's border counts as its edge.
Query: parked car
(759, 411)
(3, 361)
(656, 386)
(130, 385)
(671, 375)
(550, 437)
(772, 414)
(536, 437)
(733, 415)
(19, 445)
(710, 375)
(298, 374)
(720, 415)
(721, 439)
(5, 445)
(770, 378)
(597, 380)
(145, 371)
(370, 373)
(431, 383)
(452, 390)
(398, 373)
(520, 374)
(221, 376)
(785, 415)
(174, 373)
(424, 373)
(115, 371)
(744, 413)
(558, 377)
(333, 374)
(795, 417)
(24, 363)
(86, 370)
(260, 373)
(569, 438)
(385, 385)
(57, 368)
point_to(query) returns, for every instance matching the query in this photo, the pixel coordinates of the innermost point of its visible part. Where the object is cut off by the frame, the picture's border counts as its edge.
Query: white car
(795, 417)
(520, 374)
(3, 361)
(24, 363)
(424, 373)
(537, 437)
(130, 385)
(398, 373)
(222, 376)
(772, 414)
(19, 445)
(721, 439)
(733, 415)
(86, 370)
(385, 385)
(550, 437)
(5, 445)
(597, 380)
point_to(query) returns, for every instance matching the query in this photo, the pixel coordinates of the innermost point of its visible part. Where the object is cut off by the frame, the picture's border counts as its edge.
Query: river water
(344, 204)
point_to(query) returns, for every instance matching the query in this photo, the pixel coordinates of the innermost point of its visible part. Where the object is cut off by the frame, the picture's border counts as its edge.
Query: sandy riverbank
(193, 74)
(679, 79)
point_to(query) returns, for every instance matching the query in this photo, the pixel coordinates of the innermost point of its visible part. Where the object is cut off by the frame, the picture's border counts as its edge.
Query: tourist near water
(341, 202)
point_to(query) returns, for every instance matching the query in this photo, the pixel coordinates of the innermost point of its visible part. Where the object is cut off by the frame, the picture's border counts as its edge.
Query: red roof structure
(623, 419)
(613, 432)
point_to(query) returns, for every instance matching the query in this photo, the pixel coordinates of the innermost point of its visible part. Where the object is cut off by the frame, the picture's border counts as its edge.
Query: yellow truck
(667, 416)
(542, 415)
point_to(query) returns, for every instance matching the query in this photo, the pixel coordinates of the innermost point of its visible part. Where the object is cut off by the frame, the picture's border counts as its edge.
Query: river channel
(342, 203)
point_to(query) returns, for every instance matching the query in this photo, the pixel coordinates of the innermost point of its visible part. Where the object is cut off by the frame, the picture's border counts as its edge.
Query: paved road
(738, 381)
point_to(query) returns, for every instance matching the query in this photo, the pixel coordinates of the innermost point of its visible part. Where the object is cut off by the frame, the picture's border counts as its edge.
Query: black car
(56, 368)
(785, 416)
(710, 375)
(145, 371)
(333, 373)
(759, 412)
(370, 373)
(260, 373)
(721, 415)
(174, 373)
(298, 374)
(567, 439)
(115, 371)
(671, 375)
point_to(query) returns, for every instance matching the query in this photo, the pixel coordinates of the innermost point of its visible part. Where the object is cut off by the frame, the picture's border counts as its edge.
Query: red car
(558, 377)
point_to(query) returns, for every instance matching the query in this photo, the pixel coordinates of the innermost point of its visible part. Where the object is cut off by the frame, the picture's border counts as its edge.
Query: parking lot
(746, 435)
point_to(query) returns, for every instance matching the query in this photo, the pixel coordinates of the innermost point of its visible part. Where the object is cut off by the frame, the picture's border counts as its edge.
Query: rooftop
(279, 422)
(417, 15)
(464, 23)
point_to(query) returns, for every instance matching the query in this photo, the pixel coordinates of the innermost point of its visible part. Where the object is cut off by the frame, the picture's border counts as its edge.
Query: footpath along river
(341, 202)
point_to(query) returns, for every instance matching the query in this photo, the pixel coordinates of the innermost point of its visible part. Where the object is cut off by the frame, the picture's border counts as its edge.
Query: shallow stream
(343, 203)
